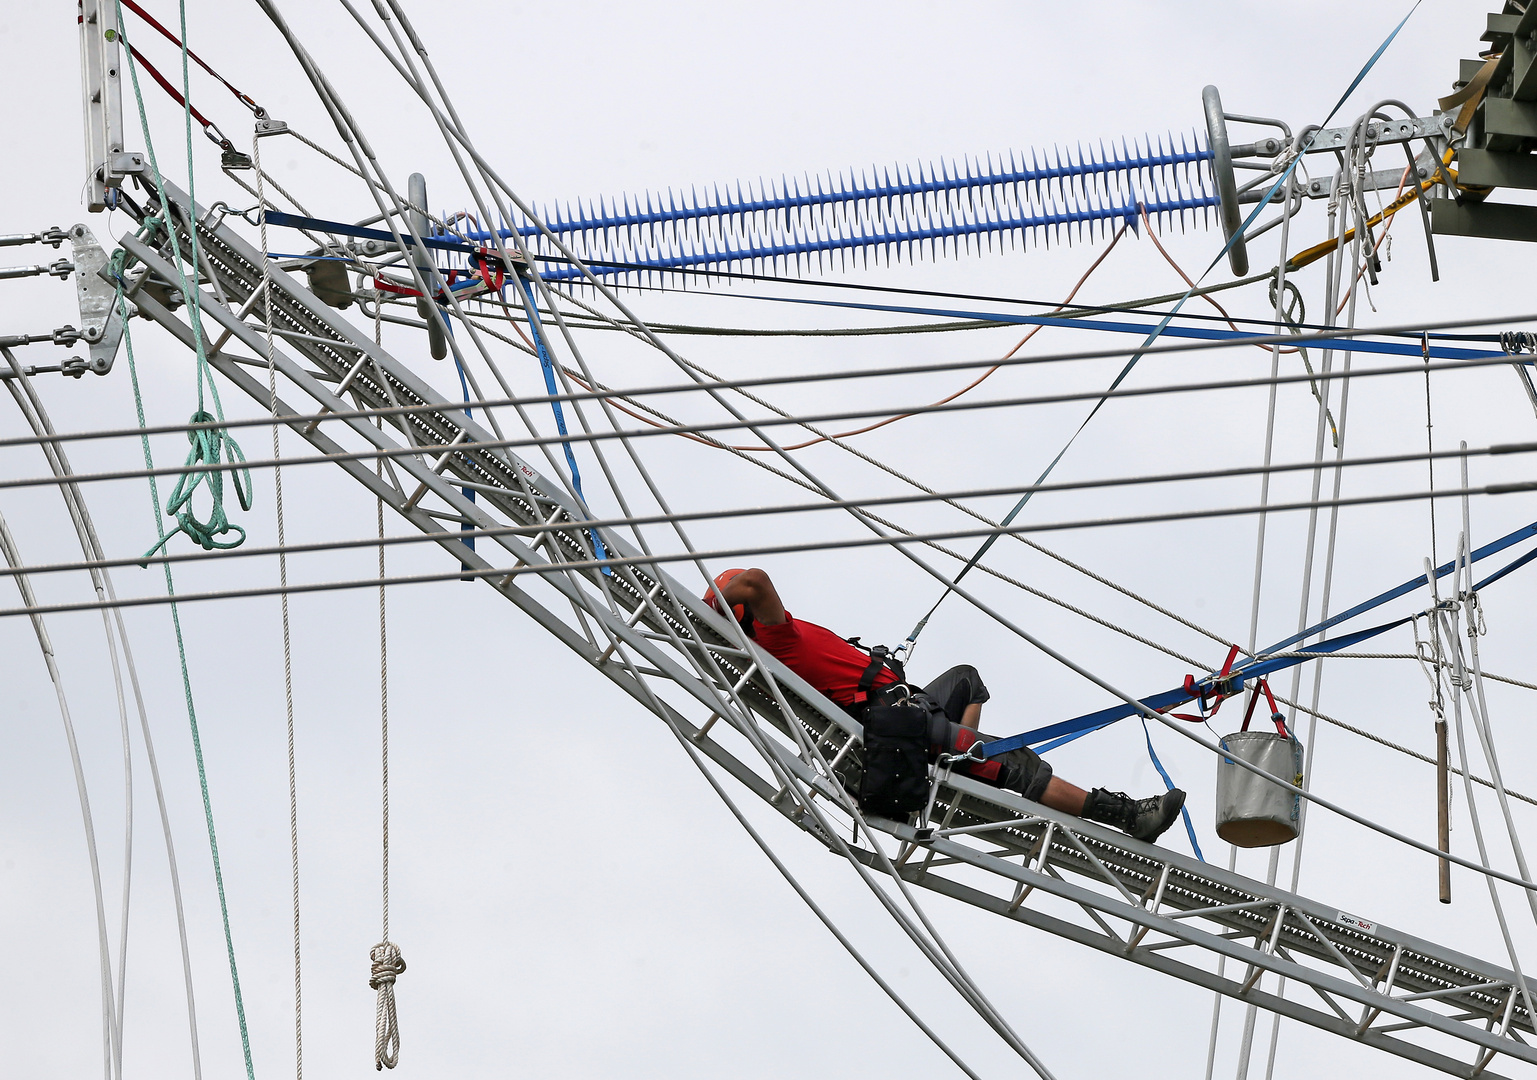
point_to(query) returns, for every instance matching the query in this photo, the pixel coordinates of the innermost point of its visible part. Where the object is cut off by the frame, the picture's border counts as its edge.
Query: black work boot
(1144, 819)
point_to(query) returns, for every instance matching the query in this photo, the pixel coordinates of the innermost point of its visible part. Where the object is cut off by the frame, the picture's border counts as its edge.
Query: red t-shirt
(831, 665)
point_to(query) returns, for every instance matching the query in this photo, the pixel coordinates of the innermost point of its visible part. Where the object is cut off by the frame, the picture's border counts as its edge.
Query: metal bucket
(1253, 811)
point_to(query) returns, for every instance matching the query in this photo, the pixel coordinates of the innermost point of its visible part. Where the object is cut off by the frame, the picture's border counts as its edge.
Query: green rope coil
(208, 444)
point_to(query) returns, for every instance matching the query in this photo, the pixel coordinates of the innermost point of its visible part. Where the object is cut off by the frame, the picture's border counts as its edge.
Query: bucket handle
(1263, 686)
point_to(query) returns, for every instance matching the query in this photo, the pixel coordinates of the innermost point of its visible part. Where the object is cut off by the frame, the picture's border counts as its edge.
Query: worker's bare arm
(753, 588)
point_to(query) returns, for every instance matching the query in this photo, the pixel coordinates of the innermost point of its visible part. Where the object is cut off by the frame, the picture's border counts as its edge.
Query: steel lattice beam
(988, 848)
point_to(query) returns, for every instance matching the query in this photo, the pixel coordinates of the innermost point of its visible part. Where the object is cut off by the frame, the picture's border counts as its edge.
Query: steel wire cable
(673, 429)
(536, 530)
(288, 680)
(840, 375)
(899, 542)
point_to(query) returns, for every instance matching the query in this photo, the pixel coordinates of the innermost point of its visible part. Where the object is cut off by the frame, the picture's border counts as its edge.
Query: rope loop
(387, 964)
(210, 445)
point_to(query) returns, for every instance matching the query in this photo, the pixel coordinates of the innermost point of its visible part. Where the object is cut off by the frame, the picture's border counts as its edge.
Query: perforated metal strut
(645, 632)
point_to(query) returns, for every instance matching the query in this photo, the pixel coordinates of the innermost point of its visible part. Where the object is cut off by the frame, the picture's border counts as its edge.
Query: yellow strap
(1470, 95)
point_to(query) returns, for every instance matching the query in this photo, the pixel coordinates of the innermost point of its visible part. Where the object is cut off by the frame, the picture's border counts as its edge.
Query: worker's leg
(960, 692)
(1024, 771)
(1060, 795)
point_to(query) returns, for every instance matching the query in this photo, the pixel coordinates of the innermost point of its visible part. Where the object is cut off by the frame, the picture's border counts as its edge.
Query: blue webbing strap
(1163, 323)
(1409, 586)
(295, 221)
(1065, 731)
(1184, 811)
(548, 367)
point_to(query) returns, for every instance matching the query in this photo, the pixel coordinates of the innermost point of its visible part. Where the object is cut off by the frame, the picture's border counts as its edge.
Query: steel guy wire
(1259, 555)
(651, 431)
(288, 683)
(1497, 449)
(670, 518)
(454, 535)
(899, 542)
(832, 376)
(1323, 424)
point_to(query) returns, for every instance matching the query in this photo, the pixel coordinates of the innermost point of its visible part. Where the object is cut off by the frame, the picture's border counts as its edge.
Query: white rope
(385, 956)
(387, 964)
(288, 682)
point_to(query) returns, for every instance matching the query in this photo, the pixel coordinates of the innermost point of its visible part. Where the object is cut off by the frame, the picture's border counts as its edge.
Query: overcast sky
(571, 897)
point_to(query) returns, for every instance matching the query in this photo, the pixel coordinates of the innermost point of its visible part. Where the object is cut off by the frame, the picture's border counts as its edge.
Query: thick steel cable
(30, 406)
(37, 418)
(288, 684)
(1259, 553)
(70, 497)
(1334, 272)
(109, 1037)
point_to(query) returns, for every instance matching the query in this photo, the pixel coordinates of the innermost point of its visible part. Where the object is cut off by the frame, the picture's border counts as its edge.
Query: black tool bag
(896, 776)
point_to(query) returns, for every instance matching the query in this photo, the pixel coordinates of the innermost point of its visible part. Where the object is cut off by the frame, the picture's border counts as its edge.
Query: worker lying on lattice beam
(906, 726)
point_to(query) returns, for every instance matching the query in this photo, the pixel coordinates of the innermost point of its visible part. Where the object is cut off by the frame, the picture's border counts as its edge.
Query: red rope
(169, 88)
(244, 99)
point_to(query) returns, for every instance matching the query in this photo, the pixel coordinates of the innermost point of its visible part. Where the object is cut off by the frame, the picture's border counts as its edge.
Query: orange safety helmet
(722, 579)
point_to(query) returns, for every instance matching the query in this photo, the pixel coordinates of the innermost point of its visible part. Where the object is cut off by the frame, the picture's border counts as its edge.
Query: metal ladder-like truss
(652, 638)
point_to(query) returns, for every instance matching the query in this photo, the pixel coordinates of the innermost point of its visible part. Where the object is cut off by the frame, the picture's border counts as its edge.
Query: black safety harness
(881, 658)
(895, 779)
